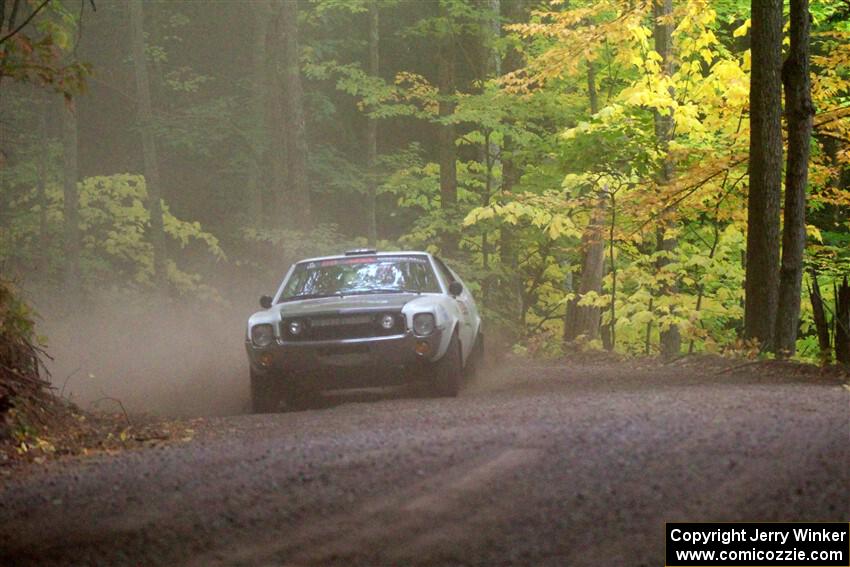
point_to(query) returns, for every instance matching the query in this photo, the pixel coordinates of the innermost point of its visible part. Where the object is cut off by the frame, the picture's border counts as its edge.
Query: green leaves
(114, 225)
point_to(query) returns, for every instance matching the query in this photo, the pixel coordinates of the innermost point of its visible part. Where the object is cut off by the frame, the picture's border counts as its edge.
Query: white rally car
(362, 319)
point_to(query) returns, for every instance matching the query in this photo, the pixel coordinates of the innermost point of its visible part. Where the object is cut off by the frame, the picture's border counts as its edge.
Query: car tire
(449, 370)
(264, 394)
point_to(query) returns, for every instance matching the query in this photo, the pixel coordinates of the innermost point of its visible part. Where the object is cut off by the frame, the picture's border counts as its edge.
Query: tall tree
(259, 105)
(299, 185)
(277, 155)
(798, 112)
(583, 320)
(151, 164)
(491, 66)
(446, 148)
(842, 322)
(70, 199)
(666, 243)
(765, 173)
(819, 317)
(372, 126)
(42, 168)
(512, 12)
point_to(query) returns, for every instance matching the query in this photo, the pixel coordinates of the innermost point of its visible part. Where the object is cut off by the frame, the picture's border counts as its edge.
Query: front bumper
(345, 363)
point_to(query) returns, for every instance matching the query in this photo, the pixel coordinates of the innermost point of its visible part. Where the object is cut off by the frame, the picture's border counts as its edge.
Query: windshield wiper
(310, 296)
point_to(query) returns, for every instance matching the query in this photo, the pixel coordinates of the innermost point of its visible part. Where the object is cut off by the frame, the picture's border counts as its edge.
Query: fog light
(422, 348)
(266, 359)
(387, 322)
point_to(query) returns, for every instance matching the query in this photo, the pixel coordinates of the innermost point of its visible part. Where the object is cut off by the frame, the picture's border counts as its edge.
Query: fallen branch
(117, 401)
(65, 382)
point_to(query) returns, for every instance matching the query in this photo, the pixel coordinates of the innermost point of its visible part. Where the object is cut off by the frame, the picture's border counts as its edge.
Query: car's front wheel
(265, 395)
(448, 371)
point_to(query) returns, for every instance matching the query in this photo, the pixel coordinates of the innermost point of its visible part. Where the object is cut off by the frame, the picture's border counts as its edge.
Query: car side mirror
(455, 288)
(265, 301)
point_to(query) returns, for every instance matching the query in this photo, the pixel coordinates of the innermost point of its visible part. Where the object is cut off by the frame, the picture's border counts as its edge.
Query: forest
(650, 177)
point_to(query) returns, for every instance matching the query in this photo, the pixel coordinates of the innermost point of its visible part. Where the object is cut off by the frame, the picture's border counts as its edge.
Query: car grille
(337, 327)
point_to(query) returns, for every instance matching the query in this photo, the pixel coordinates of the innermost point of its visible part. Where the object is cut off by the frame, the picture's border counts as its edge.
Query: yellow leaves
(417, 90)
(35, 443)
(593, 299)
(541, 211)
(833, 196)
(641, 318)
(640, 34)
(814, 233)
(576, 34)
(115, 226)
(561, 226)
(654, 93)
(688, 119)
(571, 133)
(479, 214)
(728, 70)
(741, 30)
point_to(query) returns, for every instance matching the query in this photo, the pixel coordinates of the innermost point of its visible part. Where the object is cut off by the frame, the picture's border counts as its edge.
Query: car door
(467, 311)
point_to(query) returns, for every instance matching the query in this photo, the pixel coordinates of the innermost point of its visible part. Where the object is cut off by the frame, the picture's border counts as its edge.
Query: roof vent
(360, 252)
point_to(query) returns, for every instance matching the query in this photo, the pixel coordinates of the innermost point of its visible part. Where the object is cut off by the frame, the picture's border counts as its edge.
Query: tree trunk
(765, 173)
(798, 112)
(299, 198)
(842, 323)
(592, 93)
(259, 131)
(671, 340)
(145, 116)
(43, 261)
(508, 253)
(446, 148)
(609, 336)
(819, 316)
(278, 154)
(372, 126)
(584, 320)
(491, 65)
(71, 201)
(512, 12)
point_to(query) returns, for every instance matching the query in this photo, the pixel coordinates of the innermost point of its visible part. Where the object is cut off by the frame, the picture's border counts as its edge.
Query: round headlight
(423, 324)
(295, 327)
(387, 322)
(262, 335)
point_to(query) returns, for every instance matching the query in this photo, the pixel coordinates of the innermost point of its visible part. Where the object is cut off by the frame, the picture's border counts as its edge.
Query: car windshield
(361, 275)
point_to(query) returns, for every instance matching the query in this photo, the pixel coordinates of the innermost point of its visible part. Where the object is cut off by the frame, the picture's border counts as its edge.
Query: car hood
(345, 304)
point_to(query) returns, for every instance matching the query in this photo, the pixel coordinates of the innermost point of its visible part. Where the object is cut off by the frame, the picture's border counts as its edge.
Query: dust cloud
(160, 357)
(173, 356)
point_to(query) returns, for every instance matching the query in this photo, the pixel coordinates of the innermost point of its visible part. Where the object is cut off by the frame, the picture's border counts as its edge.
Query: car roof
(389, 253)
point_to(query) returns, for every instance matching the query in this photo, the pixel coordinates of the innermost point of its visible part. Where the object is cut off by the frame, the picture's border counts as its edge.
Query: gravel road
(539, 465)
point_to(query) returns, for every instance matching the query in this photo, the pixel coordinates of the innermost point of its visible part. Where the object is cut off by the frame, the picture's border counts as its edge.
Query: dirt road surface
(537, 465)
